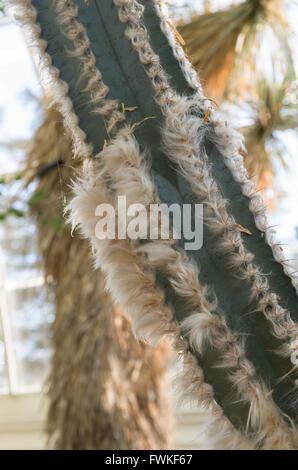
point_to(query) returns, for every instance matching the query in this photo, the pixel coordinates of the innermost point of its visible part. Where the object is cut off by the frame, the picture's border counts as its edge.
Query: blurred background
(246, 56)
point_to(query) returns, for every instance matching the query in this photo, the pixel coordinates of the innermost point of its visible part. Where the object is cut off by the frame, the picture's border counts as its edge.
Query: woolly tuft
(76, 33)
(124, 165)
(25, 15)
(105, 390)
(229, 142)
(183, 134)
(130, 281)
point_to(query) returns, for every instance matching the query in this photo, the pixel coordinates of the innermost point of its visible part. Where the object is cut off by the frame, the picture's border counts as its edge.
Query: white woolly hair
(67, 13)
(229, 143)
(182, 136)
(25, 14)
(113, 256)
(183, 133)
(128, 174)
(131, 281)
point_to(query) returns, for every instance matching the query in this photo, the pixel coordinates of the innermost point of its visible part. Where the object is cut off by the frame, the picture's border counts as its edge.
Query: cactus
(93, 401)
(126, 89)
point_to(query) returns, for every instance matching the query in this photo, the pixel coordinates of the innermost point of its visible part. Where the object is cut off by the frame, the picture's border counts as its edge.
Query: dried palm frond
(275, 110)
(106, 391)
(222, 45)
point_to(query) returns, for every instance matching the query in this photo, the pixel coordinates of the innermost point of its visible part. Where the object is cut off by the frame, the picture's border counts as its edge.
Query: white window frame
(11, 368)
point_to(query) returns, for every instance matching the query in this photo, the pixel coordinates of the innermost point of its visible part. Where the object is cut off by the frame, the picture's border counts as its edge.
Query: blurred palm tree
(225, 45)
(275, 110)
(242, 53)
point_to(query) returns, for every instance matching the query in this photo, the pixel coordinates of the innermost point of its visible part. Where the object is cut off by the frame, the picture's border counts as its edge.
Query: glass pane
(27, 309)
(19, 249)
(31, 316)
(3, 372)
